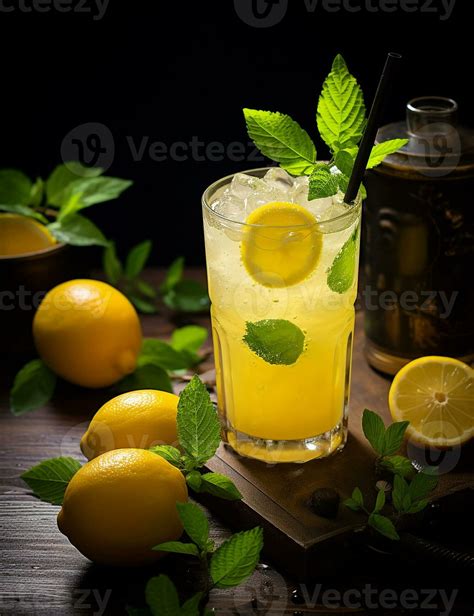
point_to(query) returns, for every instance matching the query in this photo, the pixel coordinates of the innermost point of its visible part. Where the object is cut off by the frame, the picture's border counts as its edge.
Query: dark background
(185, 69)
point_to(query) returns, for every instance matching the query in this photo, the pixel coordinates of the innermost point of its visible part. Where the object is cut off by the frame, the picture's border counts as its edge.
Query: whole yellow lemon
(135, 419)
(118, 506)
(88, 333)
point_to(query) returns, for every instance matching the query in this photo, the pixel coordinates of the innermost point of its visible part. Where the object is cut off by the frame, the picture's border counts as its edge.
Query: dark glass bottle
(419, 241)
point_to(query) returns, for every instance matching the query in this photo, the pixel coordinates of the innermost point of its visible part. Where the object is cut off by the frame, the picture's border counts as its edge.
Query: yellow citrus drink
(282, 274)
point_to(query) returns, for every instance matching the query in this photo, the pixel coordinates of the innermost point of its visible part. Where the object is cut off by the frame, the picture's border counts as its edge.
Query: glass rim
(352, 207)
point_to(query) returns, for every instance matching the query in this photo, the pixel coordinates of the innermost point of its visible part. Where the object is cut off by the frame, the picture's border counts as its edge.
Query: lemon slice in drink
(436, 395)
(281, 245)
(20, 235)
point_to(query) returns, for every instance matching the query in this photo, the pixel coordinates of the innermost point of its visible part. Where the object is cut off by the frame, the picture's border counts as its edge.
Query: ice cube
(242, 185)
(279, 180)
(230, 207)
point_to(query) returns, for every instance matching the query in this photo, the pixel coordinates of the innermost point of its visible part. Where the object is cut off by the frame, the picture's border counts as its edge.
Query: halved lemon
(436, 395)
(20, 235)
(282, 245)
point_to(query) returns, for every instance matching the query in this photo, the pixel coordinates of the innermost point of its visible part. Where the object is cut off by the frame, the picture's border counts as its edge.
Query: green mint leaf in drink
(148, 376)
(344, 161)
(341, 108)
(78, 231)
(235, 560)
(341, 274)
(177, 547)
(384, 149)
(276, 341)
(198, 423)
(384, 526)
(187, 296)
(394, 436)
(33, 386)
(344, 183)
(281, 139)
(195, 523)
(111, 264)
(398, 465)
(380, 502)
(220, 486)
(63, 176)
(173, 275)
(23, 210)
(374, 430)
(162, 597)
(422, 485)
(160, 353)
(169, 453)
(137, 258)
(49, 479)
(15, 187)
(322, 183)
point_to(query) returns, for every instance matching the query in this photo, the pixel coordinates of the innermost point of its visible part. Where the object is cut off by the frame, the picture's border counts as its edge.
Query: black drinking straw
(370, 133)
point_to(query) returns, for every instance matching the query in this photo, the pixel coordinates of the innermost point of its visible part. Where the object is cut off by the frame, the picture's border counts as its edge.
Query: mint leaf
(322, 183)
(380, 502)
(344, 183)
(398, 465)
(187, 296)
(400, 493)
(351, 504)
(189, 338)
(78, 231)
(49, 479)
(194, 480)
(85, 192)
(374, 430)
(169, 453)
(162, 596)
(142, 304)
(160, 353)
(341, 108)
(383, 525)
(422, 485)
(145, 288)
(173, 275)
(191, 606)
(23, 210)
(220, 486)
(235, 560)
(33, 386)
(111, 264)
(63, 176)
(276, 341)
(344, 161)
(281, 139)
(146, 377)
(177, 547)
(198, 423)
(36, 193)
(341, 274)
(15, 187)
(195, 523)
(382, 150)
(137, 258)
(394, 436)
(357, 497)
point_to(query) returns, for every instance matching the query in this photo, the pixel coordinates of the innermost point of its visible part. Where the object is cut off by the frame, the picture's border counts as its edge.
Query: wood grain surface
(42, 573)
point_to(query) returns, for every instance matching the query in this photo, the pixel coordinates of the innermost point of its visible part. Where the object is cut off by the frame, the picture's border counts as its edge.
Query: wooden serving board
(276, 496)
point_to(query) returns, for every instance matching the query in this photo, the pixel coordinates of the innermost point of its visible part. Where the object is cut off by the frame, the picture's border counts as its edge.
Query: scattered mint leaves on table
(341, 119)
(276, 341)
(33, 387)
(411, 489)
(50, 478)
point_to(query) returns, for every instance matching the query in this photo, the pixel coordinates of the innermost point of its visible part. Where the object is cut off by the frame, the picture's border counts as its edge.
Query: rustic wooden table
(42, 573)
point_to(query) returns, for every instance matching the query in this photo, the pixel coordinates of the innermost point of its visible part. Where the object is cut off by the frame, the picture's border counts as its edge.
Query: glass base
(296, 451)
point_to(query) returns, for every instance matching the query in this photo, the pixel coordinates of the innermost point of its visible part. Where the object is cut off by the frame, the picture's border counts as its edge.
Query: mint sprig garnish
(410, 491)
(49, 479)
(276, 341)
(341, 119)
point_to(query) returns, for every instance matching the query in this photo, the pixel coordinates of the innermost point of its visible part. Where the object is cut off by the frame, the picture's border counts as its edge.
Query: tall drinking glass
(282, 275)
